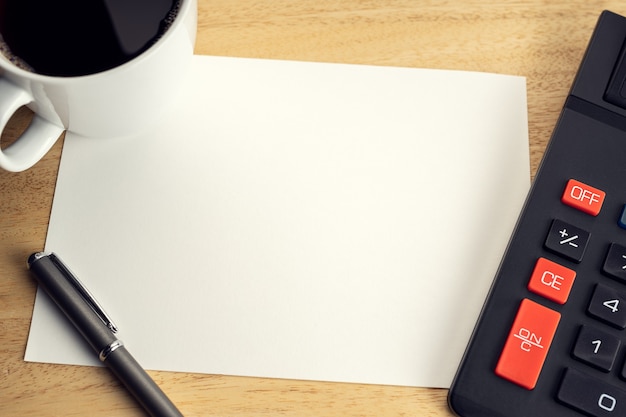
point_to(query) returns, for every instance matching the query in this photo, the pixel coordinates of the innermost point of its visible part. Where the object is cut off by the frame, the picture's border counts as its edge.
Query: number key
(609, 306)
(596, 348)
(591, 396)
(615, 262)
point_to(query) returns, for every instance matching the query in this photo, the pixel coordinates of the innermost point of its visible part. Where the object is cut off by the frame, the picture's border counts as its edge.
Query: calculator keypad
(596, 345)
(567, 255)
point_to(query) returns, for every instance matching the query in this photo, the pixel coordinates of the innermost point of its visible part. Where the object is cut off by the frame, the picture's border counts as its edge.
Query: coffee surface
(79, 37)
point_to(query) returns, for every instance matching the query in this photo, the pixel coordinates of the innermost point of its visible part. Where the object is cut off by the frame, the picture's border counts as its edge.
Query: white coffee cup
(113, 103)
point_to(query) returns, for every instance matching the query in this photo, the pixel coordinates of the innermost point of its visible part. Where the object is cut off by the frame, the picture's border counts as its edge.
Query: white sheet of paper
(296, 220)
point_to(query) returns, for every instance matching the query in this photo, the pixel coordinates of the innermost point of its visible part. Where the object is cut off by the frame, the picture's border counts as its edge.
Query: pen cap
(71, 302)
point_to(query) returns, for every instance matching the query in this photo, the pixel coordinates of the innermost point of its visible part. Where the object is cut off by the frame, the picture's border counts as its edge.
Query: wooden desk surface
(543, 41)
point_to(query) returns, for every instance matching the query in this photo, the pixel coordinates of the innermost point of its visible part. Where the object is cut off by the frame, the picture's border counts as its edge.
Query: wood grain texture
(539, 39)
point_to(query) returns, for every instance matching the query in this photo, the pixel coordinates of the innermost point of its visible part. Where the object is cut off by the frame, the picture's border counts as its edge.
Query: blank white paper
(296, 220)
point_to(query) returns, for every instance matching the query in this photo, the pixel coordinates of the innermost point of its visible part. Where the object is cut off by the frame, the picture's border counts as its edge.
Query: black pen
(94, 324)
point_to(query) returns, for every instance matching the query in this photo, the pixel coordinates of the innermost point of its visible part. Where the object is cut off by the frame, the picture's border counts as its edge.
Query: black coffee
(79, 37)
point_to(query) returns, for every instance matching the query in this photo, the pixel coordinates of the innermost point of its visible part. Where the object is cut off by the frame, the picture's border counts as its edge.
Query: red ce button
(551, 280)
(583, 197)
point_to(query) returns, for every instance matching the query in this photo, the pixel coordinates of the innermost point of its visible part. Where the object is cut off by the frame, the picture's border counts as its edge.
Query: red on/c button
(528, 343)
(583, 197)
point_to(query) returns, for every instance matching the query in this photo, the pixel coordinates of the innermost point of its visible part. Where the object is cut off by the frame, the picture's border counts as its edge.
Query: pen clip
(84, 293)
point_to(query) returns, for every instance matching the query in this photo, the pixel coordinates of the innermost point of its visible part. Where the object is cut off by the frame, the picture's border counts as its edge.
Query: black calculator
(551, 338)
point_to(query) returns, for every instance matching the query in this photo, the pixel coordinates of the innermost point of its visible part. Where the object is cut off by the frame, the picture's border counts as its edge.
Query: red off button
(583, 197)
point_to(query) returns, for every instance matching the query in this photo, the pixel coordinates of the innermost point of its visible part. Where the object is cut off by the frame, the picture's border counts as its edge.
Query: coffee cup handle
(35, 141)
